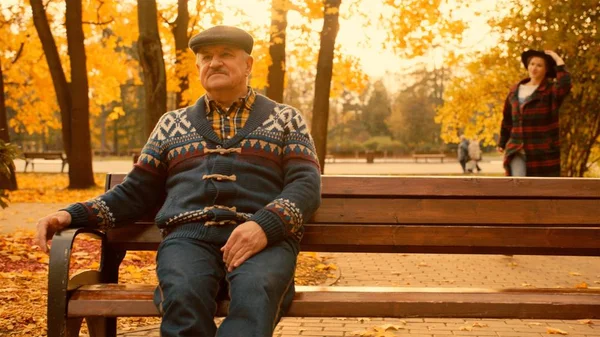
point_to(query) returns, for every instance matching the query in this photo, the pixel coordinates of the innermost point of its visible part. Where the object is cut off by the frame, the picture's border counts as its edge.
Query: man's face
(223, 67)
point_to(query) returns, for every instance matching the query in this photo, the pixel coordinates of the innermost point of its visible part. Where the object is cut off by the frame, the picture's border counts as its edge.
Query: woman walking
(529, 135)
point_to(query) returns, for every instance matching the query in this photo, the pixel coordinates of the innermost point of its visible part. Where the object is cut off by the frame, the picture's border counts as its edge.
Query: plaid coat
(533, 126)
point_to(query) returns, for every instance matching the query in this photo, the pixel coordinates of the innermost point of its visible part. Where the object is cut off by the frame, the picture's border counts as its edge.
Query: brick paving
(432, 270)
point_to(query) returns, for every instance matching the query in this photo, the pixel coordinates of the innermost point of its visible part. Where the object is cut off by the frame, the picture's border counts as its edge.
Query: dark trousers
(190, 272)
(463, 164)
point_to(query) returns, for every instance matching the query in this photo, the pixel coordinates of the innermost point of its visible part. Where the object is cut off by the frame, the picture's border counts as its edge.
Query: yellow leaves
(52, 187)
(386, 330)
(323, 267)
(473, 102)
(581, 285)
(116, 113)
(312, 269)
(555, 331)
(586, 321)
(332, 11)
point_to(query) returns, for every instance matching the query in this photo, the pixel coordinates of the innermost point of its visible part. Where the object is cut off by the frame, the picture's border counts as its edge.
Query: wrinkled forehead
(218, 48)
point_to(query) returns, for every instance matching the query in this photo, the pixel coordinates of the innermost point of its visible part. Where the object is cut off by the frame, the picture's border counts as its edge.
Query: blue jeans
(190, 273)
(518, 166)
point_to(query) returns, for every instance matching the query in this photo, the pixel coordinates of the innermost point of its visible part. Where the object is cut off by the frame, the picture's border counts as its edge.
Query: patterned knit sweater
(268, 172)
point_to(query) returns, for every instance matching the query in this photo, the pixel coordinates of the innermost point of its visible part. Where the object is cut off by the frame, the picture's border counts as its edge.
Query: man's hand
(245, 241)
(50, 224)
(499, 149)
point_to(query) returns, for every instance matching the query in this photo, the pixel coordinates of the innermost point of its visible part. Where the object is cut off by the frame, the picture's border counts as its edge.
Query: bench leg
(68, 327)
(73, 326)
(102, 326)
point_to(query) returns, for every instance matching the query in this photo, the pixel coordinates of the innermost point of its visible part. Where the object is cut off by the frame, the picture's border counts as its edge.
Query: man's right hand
(499, 149)
(50, 224)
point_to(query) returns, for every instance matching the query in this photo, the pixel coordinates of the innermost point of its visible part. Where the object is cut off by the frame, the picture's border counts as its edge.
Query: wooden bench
(49, 155)
(439, 156)
(433, 215)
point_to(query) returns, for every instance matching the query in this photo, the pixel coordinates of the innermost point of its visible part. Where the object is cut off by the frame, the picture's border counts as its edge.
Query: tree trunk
(63, 96)
(6, 182)
(153, 64)
(323, 78)
(72, 99)
(276, 74)
(180, 34)
(580, 129)
(81, 174)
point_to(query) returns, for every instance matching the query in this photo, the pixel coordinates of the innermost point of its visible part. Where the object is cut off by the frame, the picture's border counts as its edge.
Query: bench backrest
(44, 155)
(490, 215)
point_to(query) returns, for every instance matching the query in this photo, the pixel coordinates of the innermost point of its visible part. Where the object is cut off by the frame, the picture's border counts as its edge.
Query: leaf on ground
(582, 285)
(386, 327)
(24, 280)
(573, 273)
(586, 321)
(480, 325)
(52, 188)
(465, 328)
(555, 331)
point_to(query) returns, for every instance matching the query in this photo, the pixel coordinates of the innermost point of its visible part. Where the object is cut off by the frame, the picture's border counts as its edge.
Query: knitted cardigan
(268, 173)
(533, 126)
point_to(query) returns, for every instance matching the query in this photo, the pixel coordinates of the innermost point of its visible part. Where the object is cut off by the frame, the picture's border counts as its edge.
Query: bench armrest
(59, 284)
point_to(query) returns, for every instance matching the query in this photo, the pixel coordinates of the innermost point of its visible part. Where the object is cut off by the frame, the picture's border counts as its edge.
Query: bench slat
(113, 300)
(443, 187)
(468, 211)
(450, 239)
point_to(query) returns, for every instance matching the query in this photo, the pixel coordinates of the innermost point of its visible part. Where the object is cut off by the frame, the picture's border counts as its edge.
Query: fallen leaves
(386, 330)
(24, 270)
(52, 188)
(555, 331)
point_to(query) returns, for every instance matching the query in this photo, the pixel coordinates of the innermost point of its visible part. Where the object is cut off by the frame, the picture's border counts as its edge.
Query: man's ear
(249, 63)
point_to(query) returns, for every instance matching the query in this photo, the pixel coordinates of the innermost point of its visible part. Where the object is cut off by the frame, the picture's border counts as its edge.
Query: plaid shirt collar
(246, 102)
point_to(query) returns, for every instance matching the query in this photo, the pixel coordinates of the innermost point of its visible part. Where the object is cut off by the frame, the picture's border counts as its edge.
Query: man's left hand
(245, 241)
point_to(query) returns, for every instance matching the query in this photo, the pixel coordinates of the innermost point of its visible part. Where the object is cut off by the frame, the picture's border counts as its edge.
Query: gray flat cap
(222, 35)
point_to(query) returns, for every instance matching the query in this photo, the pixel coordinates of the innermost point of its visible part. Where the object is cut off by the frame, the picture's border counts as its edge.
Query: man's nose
(216, 62)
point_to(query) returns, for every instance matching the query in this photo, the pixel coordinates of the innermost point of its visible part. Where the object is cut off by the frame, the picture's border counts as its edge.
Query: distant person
(529, 134)
(463, 152)
(475, 155)
(241, 177)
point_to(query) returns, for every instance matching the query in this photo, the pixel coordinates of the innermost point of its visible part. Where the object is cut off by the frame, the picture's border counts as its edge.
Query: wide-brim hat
(222, 35)
(550, 63)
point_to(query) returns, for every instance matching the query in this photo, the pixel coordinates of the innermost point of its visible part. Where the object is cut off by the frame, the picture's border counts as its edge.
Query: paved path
(490, 165)
(420, 270)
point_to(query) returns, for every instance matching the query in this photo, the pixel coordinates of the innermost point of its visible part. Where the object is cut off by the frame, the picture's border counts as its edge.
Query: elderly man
(240, 176)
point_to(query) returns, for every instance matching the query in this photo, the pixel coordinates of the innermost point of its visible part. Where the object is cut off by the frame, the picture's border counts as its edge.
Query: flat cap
(222, 35)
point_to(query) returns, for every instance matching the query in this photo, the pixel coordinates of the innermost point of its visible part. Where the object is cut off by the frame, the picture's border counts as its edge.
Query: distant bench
(50, 155)
(439, 156)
